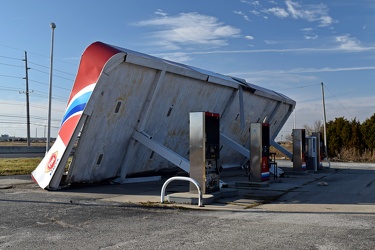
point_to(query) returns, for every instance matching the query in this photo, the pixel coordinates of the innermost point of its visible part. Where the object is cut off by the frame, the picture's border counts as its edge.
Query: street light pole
(53, 26)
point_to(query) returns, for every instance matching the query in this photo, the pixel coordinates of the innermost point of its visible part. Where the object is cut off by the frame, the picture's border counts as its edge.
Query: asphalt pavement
(330, 209)
(339, 187)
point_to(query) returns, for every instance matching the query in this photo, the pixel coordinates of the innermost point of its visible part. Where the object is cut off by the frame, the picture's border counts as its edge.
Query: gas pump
(299, 162)
(204, 151)
(311, 151)
(259, 152)
(319, 149)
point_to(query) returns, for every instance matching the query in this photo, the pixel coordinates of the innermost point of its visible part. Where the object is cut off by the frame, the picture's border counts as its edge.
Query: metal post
(53, 26)
(27, 101)
(324, 123)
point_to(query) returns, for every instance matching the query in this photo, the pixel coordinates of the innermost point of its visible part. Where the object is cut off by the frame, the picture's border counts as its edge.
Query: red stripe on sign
(67, 128)
(91, 65)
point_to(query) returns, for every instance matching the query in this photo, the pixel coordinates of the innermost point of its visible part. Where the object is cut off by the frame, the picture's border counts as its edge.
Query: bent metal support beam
(163, 151)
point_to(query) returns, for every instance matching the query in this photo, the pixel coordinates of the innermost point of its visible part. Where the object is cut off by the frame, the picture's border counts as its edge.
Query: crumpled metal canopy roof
(131, 114)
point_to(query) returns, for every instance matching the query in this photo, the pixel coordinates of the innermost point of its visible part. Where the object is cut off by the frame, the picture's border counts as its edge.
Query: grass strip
(18, 166)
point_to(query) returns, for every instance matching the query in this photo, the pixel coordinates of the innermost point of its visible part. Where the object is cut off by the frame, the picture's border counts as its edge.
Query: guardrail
(21, 149)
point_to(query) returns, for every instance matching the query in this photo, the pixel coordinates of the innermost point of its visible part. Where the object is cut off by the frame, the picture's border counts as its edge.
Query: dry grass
(288, 146)
(351, 154)
(18, 166)
(21, 143)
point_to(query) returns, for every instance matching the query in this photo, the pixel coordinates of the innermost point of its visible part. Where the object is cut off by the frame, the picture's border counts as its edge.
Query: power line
(23, 123)
(41, 94)
(30, 52)
(12, 58)
(47, 85)
(44, 72)
(12, 65)
(35, 93)
(12, 103)
(49, 57)
(9, 76)
(9, 88)
(31, 105)
(31, 116)
(325, 86)
(43, 66)
(300, 87)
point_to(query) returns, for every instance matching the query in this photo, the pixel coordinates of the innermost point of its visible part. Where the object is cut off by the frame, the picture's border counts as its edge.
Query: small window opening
(152, 154)
(118, 107)
(99, 159)
(170, 111)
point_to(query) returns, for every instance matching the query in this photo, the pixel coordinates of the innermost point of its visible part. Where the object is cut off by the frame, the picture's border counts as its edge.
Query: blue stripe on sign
(74, 110)
(82, 100)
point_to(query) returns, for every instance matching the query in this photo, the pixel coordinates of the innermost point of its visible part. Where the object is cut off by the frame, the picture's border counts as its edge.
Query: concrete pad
(15, 180)
(319, 208)
(292, 172)
(245, 184)
(135, 199)
(189, 198)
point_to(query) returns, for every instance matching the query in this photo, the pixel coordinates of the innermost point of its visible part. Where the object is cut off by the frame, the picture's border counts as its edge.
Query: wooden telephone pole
(324, 123)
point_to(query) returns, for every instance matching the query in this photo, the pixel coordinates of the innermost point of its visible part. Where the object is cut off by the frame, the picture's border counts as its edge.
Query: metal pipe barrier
(182, 178)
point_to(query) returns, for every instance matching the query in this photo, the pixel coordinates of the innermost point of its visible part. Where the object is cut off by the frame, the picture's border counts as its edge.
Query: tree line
(349, 140)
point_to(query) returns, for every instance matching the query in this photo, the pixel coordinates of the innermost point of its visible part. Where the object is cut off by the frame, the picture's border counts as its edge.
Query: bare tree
(316, 127)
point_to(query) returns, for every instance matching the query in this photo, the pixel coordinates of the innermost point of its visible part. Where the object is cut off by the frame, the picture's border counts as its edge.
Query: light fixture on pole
(53, 26)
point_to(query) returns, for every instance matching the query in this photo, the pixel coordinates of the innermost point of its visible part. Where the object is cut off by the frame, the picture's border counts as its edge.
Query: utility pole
(324, 123)
(27, 100)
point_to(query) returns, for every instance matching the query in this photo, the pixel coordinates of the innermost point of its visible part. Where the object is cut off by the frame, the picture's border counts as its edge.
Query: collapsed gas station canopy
(128, 115)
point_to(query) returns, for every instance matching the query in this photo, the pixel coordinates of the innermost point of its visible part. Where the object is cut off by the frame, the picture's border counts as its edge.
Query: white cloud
(293, 8)
(311, 12)
(180, 57)
(254, 12)
(325, 21)
(250, 2)
(311, 37)
(278, 12)
(189, 28)
(341, 48)
(159, 12)
(271, 42)
(346, 42)
(301, 71)
(244, 16)
(249, 37)
(309, 34)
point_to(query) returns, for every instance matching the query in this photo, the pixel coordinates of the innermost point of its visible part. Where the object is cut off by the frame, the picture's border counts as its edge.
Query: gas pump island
(307, 151)
(205, 151)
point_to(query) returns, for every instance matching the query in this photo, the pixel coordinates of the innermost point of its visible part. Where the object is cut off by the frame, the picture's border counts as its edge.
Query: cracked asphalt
(338, 215)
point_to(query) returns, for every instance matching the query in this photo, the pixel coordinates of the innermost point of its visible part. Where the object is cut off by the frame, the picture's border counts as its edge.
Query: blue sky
(287, 46)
